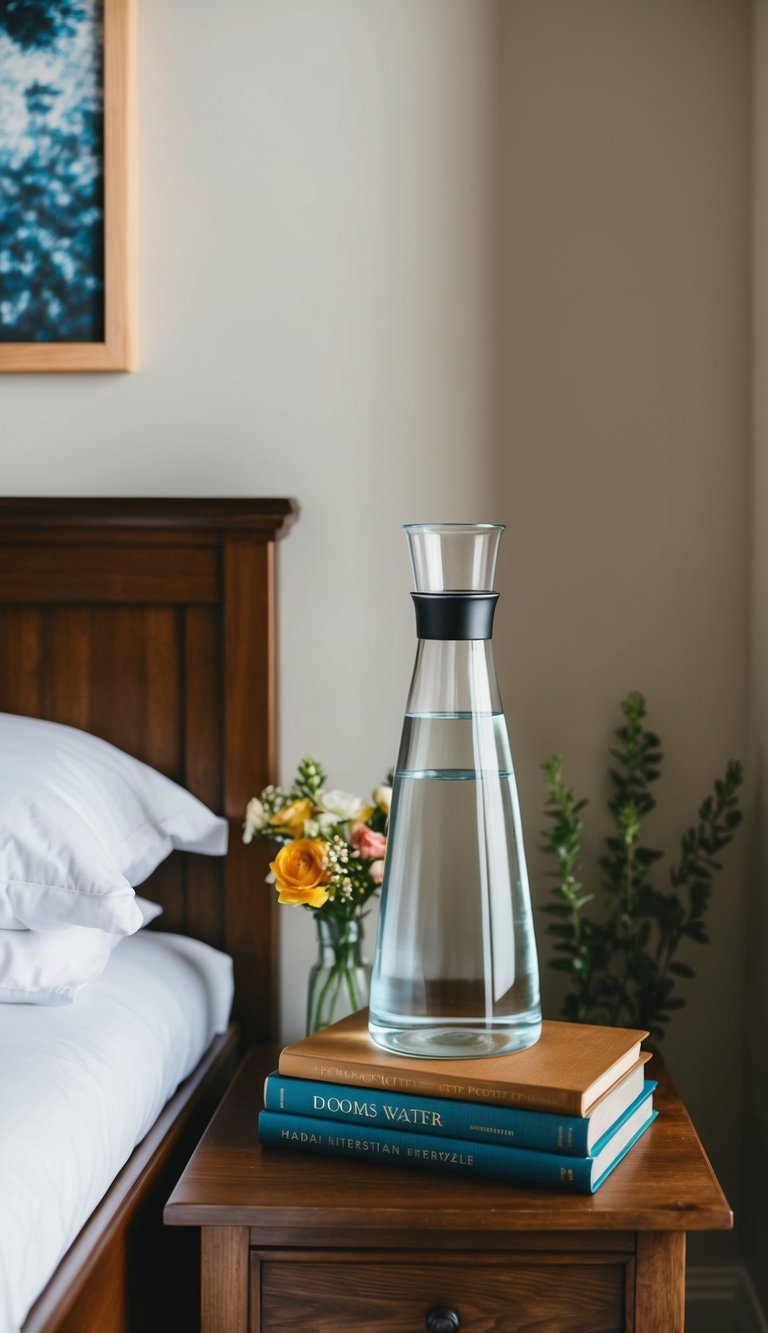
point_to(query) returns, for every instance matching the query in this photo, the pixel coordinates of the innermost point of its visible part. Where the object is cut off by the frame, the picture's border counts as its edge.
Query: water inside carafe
(456, 969)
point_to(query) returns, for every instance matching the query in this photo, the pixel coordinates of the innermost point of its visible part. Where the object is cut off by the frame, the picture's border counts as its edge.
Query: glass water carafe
(456, 972)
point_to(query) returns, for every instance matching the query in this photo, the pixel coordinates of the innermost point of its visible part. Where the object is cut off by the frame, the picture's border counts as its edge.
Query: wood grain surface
(224, 1266)
(397, 1296)
(660, 1290)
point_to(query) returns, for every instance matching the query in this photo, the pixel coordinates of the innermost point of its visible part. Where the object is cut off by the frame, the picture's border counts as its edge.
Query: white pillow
(50, 967)
(80, 823)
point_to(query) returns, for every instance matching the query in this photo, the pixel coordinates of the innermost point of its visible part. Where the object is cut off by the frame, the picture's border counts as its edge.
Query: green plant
(622, 966)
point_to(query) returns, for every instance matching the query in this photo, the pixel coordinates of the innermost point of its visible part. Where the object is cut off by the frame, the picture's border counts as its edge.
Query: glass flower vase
(456, 970)
(340, 977)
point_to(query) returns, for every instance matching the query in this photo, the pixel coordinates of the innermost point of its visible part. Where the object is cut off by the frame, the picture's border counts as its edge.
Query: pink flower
(376, 871)
(371, 845)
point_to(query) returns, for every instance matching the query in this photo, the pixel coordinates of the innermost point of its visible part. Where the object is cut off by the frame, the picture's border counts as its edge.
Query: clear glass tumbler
(456, 972)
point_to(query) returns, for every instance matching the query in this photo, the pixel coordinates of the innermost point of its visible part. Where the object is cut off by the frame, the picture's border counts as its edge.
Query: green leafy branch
(622, 967)
(309, 779)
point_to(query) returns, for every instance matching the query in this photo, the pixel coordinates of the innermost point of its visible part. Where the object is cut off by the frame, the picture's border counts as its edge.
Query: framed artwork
(67, 185)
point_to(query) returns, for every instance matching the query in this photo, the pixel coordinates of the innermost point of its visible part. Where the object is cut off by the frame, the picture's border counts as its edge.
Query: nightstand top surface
(665, 1183)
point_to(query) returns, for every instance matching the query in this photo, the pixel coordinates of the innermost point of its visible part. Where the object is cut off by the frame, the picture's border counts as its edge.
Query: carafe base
(452, 1041)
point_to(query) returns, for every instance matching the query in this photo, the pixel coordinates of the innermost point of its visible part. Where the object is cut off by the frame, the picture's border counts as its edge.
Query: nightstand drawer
(385, 1294)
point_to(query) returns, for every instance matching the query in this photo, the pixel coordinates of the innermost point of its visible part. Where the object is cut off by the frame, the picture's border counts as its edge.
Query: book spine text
(477, 1122)
(309, 1134)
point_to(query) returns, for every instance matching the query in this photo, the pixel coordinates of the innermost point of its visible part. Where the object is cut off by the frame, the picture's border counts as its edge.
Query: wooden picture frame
(118, 350)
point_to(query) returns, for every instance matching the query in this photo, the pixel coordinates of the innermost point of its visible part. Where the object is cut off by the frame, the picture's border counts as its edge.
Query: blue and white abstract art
(51, 171)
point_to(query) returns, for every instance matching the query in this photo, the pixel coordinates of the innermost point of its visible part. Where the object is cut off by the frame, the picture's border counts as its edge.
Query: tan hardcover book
(569, 1069)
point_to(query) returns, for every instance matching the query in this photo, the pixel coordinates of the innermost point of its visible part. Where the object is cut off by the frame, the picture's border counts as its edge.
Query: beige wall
(755, 1142)
(626, 435)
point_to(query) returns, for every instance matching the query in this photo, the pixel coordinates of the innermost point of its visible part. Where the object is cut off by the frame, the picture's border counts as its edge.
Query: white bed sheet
(80, 1086)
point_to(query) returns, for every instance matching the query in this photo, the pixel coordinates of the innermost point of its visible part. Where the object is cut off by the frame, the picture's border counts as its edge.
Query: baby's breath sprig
(348, 879)
(338, 858)
(273, 799)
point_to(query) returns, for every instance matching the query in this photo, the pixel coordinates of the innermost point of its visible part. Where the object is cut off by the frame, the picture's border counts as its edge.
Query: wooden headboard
(152, 623)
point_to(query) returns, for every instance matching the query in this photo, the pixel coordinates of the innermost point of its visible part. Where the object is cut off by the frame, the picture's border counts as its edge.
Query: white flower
(342, 804)
(311, 828)
(383, 798)
(325, 822)
(256, 818)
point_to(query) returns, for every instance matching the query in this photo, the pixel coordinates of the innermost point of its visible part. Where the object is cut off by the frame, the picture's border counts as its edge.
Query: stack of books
(561, 1114)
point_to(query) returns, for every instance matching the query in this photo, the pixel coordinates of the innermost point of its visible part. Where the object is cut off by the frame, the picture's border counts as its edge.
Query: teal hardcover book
(508, 1126)
(403, 1147)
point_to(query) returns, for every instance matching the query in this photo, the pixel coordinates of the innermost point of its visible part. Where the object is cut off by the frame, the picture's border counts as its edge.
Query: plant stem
(340, 978)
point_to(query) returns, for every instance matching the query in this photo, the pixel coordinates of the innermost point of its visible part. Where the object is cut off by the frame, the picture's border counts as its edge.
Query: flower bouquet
(331, 860)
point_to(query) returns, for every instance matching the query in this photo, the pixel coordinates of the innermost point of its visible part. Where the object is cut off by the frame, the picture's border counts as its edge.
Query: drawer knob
(442, 1320)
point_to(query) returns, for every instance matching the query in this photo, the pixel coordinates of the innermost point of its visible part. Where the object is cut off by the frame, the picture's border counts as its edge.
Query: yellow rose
(292, 817)
(300, 872)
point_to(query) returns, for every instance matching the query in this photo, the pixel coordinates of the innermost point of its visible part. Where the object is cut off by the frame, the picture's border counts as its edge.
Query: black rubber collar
(454, 615)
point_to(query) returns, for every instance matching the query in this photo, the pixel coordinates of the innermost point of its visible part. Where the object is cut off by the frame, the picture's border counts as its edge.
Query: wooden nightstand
(298, 1242)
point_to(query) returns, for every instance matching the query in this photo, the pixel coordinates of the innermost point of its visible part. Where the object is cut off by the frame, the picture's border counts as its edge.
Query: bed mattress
(80, 1086)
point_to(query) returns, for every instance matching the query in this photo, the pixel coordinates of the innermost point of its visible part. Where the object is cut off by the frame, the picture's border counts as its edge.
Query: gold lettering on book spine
(362, 1145)
(377, 1078)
